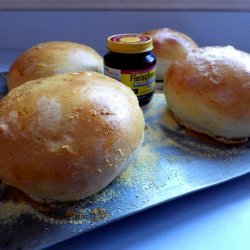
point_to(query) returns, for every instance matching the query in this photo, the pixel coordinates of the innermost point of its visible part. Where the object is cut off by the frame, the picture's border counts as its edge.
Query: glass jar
(131, 62)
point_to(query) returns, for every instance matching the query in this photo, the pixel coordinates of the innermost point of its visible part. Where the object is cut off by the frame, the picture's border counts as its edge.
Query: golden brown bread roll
(208, 91)
(52, 58)
(67, 136)
(169, 45)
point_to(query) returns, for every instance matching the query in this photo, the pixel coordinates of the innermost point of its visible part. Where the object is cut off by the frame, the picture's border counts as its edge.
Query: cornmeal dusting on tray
(143, 173)
(142, 169)
(98, 214)
(55, 213)
(106, 195)
(10, 211)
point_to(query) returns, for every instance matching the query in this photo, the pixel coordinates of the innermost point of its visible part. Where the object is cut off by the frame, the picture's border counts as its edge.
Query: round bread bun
(169, 45)
(66, 137)
(50, 58)
(208, 91)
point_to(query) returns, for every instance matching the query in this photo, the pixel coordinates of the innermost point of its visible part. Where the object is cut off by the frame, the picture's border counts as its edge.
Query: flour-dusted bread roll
(208, 91)
(52, 58)
(67, 136)
(169, 45)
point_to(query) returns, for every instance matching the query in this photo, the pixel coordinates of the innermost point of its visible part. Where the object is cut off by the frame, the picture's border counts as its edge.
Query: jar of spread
(131, 62)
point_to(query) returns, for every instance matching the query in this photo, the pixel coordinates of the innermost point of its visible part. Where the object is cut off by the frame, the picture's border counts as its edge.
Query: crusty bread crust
(223, 140)
(50, 58)
(208, 91)
(169, 45)
(67, 136)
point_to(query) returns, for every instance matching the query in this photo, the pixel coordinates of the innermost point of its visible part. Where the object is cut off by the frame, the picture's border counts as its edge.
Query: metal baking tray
(171, 163)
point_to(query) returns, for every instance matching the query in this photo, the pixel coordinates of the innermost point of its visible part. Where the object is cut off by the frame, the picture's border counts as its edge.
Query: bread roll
(52, 58)
(67, 136)
(169, 45)
(208, 91)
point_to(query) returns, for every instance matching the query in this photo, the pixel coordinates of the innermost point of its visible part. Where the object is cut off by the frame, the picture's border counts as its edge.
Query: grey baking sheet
(171, 163)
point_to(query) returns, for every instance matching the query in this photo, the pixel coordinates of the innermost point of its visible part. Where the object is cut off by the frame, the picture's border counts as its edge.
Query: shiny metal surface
(171, 163)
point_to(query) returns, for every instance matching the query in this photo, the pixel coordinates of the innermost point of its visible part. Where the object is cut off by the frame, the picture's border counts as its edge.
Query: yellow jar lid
(129, 43)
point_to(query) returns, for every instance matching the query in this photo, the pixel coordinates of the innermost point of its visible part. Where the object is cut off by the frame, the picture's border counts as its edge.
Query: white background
(22, 29)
